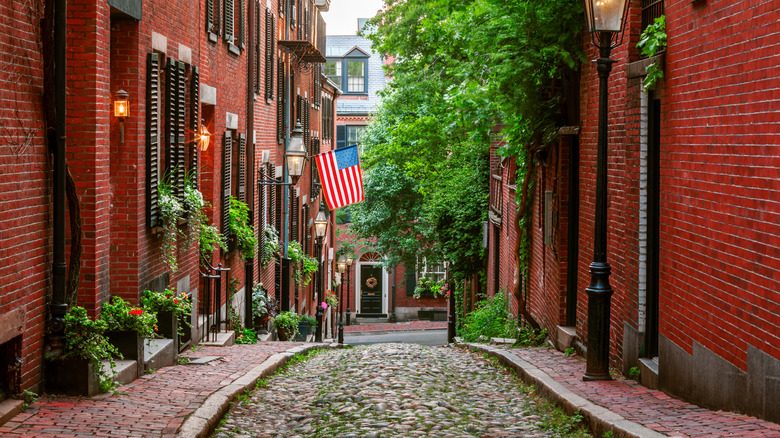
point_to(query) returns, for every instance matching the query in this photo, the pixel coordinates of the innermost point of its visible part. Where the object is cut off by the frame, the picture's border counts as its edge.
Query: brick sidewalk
(398, 326)
(154, 405)
(650, 408)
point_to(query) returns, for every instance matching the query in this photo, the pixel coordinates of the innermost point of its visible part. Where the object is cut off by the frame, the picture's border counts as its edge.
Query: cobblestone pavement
(153, 406)
(387, 390)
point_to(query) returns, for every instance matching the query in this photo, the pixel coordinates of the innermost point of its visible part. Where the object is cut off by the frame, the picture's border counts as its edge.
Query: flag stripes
(340, 176)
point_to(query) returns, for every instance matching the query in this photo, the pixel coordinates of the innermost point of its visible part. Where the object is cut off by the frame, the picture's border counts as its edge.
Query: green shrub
(492, 319)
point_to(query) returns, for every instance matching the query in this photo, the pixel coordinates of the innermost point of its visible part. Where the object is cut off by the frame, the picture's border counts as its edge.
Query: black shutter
(294, 212)
(240, 30)
(170, 124)
(411, 280)
(181, 138)
(152, 139)
(269, 55)
(262, 215)
(314, 188)
(229, 11)
(281, 123)
(258, 40)
(317, 88)
(341, 136)
(194, 121)
(242, 167)
(306, 125)
(306, 237)
(227, 177)
(276, 198)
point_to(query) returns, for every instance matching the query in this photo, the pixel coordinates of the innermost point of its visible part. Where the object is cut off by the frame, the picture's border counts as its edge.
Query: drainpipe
(58, 307)
(392, 294)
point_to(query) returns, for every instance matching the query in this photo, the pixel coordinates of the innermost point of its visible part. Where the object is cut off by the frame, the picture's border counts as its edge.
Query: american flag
(340, 176)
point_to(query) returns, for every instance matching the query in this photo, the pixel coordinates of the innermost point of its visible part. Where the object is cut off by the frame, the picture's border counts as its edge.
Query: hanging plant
(170, 211)
(241, 230)
(303, 267)
(272, 246)
(194, 206)
(652, 41)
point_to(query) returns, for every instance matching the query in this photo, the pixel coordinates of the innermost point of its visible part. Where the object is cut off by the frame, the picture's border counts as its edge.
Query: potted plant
(173, 311)
(264, 307)
(286, 324)
(306, 325)
(78, 371)
(241, 229)
(127, 328)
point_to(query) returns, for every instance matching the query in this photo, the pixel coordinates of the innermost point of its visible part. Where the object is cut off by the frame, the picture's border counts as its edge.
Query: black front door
(371, 289)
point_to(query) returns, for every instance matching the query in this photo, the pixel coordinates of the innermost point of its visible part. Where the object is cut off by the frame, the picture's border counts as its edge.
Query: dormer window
(350, 73)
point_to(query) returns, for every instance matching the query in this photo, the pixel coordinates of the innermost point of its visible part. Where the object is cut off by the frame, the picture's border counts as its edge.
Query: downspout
(249, 269)
(285, 282)
(392, 294)
(58, 306)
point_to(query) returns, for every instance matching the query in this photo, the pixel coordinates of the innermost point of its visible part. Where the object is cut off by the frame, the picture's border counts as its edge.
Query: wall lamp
(121, 111)
(204, 138)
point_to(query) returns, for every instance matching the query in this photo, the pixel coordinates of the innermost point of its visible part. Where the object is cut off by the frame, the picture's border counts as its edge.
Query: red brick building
(693, 214)
(247, 71)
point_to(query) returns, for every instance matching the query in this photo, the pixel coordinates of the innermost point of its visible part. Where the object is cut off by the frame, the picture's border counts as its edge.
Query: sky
(342, 17)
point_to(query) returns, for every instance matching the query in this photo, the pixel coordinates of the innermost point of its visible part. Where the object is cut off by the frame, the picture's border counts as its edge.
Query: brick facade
(705, 136)
(108, 50)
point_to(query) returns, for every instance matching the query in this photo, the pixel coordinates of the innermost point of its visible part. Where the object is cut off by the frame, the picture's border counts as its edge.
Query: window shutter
(240, 30)
(314, 187)
(299, 20)
(227, 177)
(209, 15)
(181, 138)
(305, 230)
(242, 167)
(258, 52)
(281, 123)
(194, 121)
(152, 138)
(341, 136)
(269, 55)
(294, 212)
(411, 279)
(306, 124)
(228, 12)
(262, 215)
(276, 198)
(317, 88)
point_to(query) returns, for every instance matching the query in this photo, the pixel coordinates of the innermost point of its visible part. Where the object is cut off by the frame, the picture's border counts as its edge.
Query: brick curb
(204, 419)
(599, 419)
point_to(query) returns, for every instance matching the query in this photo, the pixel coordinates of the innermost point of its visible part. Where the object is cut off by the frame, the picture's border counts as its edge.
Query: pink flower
(136, 312)
(324, 305)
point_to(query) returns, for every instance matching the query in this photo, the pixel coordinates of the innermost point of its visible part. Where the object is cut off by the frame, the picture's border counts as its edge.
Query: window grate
(651, 9)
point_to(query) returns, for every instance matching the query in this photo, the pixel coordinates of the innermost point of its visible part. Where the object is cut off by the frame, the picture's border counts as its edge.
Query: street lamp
(320, 227)
(605, 20)
(341, 266)
(349, 281)
(296, 154)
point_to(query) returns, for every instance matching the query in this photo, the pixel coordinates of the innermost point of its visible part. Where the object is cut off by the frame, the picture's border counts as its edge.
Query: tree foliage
(461, 67)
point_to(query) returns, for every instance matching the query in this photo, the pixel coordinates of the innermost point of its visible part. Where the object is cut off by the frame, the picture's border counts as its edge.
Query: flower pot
(284, 335)
(304, 329)
(72, 377)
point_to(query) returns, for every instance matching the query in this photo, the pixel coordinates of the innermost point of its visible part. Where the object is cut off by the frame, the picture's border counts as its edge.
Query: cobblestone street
(387, 390)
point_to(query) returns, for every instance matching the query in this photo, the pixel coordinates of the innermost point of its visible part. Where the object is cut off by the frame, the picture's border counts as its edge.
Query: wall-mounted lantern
(204, 138)
(121, 111)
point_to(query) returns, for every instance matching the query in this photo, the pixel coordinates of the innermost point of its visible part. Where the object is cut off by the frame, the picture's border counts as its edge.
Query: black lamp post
(605, 20)
(320, 228)
(341, 266)
(349, 281)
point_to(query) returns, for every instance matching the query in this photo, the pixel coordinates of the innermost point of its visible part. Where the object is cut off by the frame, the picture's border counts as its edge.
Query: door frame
(359, 281)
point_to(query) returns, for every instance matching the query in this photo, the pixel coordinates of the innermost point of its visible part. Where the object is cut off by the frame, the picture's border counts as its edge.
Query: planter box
(71, 377)
(261, 324)
(304, 329)
(168, 327)
(130, 345)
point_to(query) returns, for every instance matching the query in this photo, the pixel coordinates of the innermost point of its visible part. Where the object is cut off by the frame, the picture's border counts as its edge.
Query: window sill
(234, 50)
(213, 38)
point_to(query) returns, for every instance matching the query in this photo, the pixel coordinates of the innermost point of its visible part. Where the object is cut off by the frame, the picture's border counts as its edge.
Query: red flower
(136, 312)
(175, 301)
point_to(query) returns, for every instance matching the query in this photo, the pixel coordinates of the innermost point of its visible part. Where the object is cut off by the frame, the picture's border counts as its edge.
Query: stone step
(648, 372)
(224, 339)
(159, 353)
(125, 371)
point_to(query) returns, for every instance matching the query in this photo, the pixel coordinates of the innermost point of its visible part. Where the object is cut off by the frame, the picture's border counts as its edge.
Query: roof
(342, 45)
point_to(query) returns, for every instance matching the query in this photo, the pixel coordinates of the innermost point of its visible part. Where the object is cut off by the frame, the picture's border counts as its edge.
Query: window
(355, 134)
(432, 271)
(356, 76)
(651, 9)
(332, 69)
